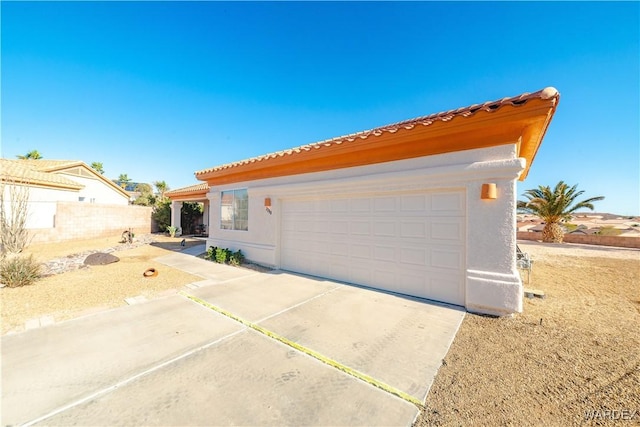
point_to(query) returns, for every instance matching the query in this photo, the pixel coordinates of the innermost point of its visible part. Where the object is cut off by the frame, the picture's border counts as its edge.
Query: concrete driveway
(238, 348)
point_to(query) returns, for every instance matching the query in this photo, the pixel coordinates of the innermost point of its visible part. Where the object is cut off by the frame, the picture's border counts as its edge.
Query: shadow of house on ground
(177, 245)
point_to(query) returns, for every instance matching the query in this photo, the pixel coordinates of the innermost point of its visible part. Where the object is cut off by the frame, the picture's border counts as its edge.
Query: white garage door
(413, 244)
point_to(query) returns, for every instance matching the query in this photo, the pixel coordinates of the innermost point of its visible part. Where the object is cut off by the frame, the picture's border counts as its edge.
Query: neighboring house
(50, 182)
(424, 207)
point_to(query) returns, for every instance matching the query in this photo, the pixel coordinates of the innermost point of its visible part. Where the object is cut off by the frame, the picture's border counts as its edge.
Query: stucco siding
(492, 284)
(96, 191)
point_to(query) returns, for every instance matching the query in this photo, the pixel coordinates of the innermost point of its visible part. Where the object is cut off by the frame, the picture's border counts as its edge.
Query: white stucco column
(211, 215)
(176, 209)
(205, 212)
(493, 282)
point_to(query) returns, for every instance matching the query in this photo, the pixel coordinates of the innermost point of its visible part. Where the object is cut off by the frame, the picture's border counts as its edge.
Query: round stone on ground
(100, 258)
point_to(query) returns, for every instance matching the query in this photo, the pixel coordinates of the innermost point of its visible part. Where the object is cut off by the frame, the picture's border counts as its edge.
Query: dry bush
(16, 271)
(14, 236)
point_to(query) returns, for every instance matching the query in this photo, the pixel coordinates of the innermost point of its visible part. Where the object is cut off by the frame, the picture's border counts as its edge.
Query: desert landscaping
(571, 354)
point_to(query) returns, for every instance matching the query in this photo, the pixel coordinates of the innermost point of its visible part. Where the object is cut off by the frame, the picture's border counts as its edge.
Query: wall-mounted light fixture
(267, 204)
(489, 191)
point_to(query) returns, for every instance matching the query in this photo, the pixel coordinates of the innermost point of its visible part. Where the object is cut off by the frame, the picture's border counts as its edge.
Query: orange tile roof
(548, 94)
(196, 190)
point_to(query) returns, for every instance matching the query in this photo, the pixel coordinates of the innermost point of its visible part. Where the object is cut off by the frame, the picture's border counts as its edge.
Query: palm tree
(33, 154)
(123, 180)
(161, 188)
(553, 207)
(97, 166)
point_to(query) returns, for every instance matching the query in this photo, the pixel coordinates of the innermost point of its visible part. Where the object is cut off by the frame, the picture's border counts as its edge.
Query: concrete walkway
(174, 361)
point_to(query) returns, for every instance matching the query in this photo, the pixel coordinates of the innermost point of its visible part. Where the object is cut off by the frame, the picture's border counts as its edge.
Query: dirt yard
(570, 356)
(94, 288)
(574, 353)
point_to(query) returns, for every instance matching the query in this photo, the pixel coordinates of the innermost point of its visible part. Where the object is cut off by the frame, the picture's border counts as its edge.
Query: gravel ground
(569, 356)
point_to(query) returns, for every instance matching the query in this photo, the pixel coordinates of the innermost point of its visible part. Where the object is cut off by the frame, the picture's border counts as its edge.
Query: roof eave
(526, 123)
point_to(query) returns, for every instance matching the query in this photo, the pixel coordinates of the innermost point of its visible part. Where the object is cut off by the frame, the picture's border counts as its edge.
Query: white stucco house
(52, 181)
(425, 207)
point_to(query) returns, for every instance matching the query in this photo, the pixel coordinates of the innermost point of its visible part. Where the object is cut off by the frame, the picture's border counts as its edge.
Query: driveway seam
(126, 381)
(298, 304)
(305, 350)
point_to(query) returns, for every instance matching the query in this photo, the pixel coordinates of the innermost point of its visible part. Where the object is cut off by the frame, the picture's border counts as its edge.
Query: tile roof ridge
(194, 187)
(445, 116)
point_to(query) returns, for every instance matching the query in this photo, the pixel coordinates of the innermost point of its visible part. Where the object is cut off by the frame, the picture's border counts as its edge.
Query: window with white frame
(234, 210)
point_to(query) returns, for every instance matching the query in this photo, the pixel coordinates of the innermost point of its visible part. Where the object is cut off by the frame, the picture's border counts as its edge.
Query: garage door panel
(304, 226)
(360, 228)
(447, 259)
(340, 228)
(323, 227)
(360, 251)
(411, 284)
(384, 228)
(412, 244)
(447, 204)
(384, 277)
(445, 288)
(413, 229)
(360, 205)
(448, 230)
(339, 271)
(384, 204)
(360, 272)
(413, 256)
(384, 253)
(340, 206)
(413, 203)
(339, 249)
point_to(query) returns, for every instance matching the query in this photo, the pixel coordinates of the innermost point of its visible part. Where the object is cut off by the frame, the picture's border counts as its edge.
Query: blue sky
(160, 90)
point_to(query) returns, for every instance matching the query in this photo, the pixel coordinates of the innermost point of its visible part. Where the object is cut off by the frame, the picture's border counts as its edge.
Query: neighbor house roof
(47, 173)
(197, 191)
(521, 119)
(24, 172)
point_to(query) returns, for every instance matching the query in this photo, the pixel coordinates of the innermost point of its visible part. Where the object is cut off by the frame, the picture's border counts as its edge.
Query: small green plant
(16, 271)
(172, 230)
(211, 253)
(222, 255)
(236, 258)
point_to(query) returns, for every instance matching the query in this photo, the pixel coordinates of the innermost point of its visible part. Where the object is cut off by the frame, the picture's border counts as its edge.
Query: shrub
(236, 258)
(19, 271)
(14, 211)
(222, 255)
(162, 214)
(211, 253)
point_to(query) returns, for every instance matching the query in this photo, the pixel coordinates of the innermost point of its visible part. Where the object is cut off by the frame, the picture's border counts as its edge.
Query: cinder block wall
(618, 241)
(77, 220)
